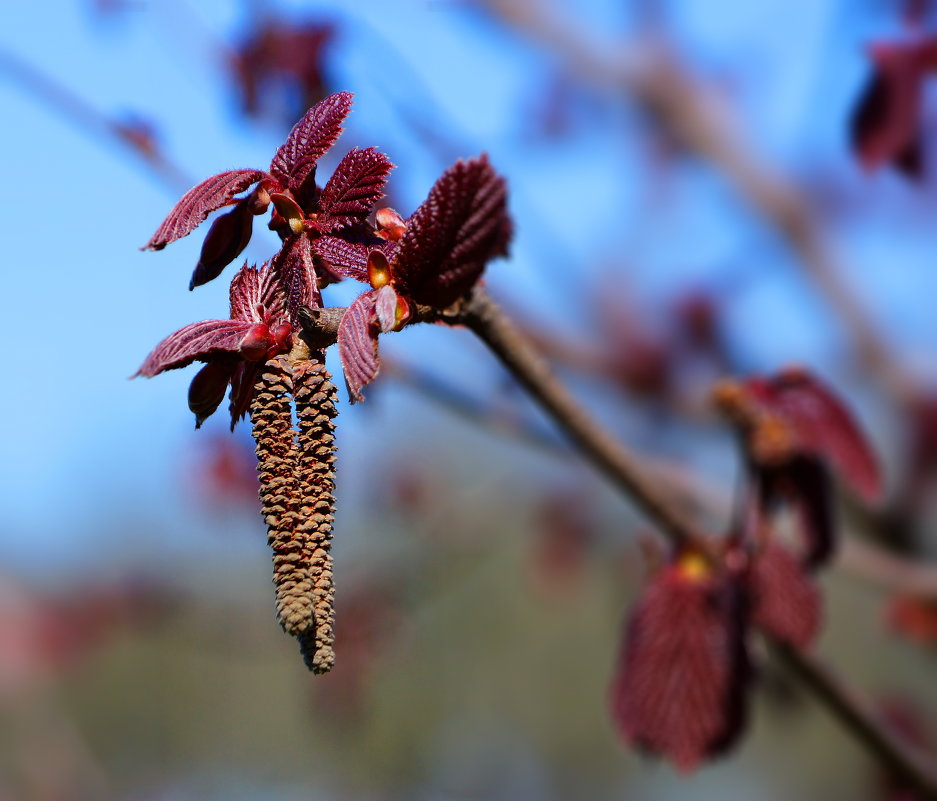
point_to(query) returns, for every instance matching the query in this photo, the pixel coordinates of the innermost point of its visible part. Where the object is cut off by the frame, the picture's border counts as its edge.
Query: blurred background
(696, 194)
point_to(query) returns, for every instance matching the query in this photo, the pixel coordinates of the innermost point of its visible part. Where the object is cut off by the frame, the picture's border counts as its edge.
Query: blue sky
(85, 447)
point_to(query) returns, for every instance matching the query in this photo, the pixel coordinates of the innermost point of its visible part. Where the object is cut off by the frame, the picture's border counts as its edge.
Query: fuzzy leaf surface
(680, 686)
(310, 138)
(197, 341)
(785, 601)
(355, 186)
(350, 259)
(199, 202)
(461, 225)
(254, 289)
(357, 344)
(293, 270)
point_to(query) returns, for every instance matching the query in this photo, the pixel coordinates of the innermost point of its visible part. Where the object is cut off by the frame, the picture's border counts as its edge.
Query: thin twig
(485, 319)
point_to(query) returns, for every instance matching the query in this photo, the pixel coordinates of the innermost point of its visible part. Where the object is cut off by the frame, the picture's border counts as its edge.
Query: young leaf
(462, 225)
(199, 202)
(785, 602)
(357, 344)
(680, 685)
(293, 270)
(349, 259)
(825, 427)
(886, 123)
(254, 290)
(355, 186)
(310, 138)
(227, 237)
(196, 341)
(207, 389)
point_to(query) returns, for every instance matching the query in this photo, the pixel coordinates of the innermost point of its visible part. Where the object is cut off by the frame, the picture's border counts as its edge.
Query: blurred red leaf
(680, 685)
(785, 602)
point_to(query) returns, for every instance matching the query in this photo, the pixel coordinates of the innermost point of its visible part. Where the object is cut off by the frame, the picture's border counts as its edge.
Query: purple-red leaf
(886, 123)
(243, 382)
(785, 602)
(804, 481)
(355, 186)
(680, 685)
(450, 238)
(824, 426)
(208, 387)
(197, 341)
(293, 270)
(357, 344)
(350, 259)
(199, 202)
(227, 237)
(255, 295)
(310, 138)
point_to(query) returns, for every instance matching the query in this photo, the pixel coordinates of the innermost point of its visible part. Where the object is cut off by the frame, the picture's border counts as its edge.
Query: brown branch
(485, 319)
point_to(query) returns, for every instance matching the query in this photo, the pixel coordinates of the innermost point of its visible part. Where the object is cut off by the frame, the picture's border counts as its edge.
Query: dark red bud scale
(227, 237)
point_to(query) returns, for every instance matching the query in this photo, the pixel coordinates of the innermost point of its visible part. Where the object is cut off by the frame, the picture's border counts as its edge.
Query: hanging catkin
(272, 419)
(315, 395)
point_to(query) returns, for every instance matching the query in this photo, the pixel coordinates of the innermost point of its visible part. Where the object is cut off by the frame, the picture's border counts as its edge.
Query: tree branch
(485, 319)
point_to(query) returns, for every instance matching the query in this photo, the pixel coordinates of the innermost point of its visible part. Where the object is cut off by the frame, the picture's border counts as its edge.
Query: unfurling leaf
(310, 138)
(357, 344)
(293, 270)
(886, 124)
(197, 341)
(805, 482)
(824, 426)
(458, 229)
(206, 392)
(224, 242)
(785, 603)
(199, 202)
(355, 186)
(680, 686)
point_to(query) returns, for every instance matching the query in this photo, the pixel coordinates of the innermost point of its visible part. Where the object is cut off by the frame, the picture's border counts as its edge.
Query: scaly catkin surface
(272, 419)
(315, 395)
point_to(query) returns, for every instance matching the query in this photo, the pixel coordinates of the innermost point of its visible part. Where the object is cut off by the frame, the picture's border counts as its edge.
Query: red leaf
(349, 259)
(355, 186)
(357, 344)
(462, 225)
(886, 123)
(242, 389)
(207, 389)
(680, 685)
(256, 295)
(197, 341)
(310, 138)
(824, 426)
(292, 269)
(227, 237)
(785, 602)
(805, 482)
(199, 202)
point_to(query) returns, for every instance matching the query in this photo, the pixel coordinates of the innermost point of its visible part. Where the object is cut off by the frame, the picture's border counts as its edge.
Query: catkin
(272, 419)
(314, 394)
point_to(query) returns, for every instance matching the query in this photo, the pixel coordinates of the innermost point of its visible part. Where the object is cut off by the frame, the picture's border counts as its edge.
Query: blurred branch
(133, 138)
(700, 120)
(485, 319)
